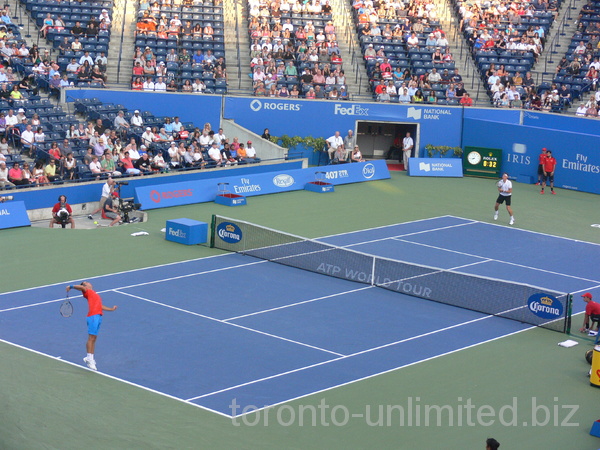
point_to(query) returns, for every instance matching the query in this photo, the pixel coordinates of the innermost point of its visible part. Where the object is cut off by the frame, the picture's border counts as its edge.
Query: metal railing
(123, 18)
(551, 48)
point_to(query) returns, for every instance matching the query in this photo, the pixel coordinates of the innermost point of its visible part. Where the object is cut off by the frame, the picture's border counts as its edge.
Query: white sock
(90, 356)
(512, 217)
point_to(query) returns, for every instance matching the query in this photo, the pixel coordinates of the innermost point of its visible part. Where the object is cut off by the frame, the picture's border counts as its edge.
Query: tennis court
(236, 328)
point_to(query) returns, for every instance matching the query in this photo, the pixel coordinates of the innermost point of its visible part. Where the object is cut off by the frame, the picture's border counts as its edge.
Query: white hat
(148, 129)
(136, 112)
(21, 110)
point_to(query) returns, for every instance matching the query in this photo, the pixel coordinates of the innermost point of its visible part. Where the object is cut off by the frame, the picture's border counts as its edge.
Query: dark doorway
(376, 138)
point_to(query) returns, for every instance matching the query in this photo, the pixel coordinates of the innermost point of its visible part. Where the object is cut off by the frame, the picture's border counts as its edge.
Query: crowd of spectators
(81, 35)
(180, 48)
(407, 53)
(507, 39)
(129, 144)
(294, 50)
(577, 72)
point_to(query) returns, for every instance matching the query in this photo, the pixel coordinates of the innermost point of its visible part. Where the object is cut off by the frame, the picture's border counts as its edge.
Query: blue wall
(577, 155)
(521, 134)
(195, 108)
(437, 125)
(90, 192)
(564, 123)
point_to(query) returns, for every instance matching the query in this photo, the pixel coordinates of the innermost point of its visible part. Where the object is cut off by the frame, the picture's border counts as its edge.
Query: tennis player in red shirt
(592, 311)
(94, 318)
(541, 158)
(549, 167)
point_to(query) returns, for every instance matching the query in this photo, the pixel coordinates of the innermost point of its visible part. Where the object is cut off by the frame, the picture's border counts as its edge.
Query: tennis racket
(500, 183)
(66, 308)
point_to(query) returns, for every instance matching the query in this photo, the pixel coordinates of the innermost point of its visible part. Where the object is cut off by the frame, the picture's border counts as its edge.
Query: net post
(213, 222)
(569, 313)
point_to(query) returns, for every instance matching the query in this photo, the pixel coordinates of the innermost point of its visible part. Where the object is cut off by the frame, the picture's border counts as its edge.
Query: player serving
(504, 196)
(94, 318)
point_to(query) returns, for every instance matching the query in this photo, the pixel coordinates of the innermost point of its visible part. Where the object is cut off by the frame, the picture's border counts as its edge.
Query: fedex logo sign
(353, 110)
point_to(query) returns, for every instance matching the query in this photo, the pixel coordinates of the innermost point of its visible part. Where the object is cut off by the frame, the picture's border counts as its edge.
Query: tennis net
(524, 303)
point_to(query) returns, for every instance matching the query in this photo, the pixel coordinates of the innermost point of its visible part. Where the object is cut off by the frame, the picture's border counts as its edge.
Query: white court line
(404, 235)
(391, 225)
(495, 260)
(298, 303)
(381, 373)
(96, 277)
(526, 231)
(146, 283)
(389, 344)
(112, 377)
(229, 323)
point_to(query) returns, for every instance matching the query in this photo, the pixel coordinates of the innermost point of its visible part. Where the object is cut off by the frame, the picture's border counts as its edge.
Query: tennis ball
(95, 222)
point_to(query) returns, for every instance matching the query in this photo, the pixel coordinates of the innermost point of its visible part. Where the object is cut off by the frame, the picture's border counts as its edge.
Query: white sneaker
(90, 363)
(496, 216)
(512, 221)
(592, 333)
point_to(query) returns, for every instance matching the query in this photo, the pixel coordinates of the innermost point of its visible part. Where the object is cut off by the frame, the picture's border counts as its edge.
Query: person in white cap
(136, 120)
(21, 115)
(148, 137)
(104, 15)
(250, 153)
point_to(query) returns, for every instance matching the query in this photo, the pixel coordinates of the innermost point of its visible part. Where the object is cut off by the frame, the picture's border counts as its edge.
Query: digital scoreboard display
(482, 162)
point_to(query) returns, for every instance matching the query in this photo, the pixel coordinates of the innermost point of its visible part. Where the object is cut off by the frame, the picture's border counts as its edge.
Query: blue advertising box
(319, 186)
(230, 200)
(186, 231)
(435, 167)
(13, 214)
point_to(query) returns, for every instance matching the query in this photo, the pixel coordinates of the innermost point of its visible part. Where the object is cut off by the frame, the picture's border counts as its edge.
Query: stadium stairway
(122, 45)
(357, 80)
(461, 52)
(557, 45)
(237, 48)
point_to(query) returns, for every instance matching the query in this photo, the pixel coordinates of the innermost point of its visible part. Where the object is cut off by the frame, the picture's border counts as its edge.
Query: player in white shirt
(504, 196)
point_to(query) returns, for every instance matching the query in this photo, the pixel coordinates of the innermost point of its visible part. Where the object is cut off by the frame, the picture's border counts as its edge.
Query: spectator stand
(294, 51)
(167, 40)
(576, 74)
(56, 22)
(504, 40)
(404, 42)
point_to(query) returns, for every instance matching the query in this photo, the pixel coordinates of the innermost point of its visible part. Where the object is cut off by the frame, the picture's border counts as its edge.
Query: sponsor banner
(229, 232)
(545, 306)
(577, 158)
(186, 231)
(13, 214)
(198, 191)
(437, 125)
(435, 167)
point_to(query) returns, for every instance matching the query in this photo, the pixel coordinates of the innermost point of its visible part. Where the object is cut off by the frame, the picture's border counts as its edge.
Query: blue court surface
(234, 328)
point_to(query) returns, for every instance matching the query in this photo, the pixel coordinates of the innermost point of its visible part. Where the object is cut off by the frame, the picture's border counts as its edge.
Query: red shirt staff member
(541, 158)
(58, 209)
(592, 311)
(94, 318)
(549, 167)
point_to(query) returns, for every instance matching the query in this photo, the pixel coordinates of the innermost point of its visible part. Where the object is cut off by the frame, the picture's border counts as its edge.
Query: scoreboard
(482, 162)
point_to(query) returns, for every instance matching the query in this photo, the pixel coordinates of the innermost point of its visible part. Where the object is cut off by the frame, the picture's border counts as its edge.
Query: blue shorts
(94, 323)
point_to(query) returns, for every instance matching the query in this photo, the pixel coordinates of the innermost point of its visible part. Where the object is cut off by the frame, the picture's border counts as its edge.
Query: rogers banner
(199, 191)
